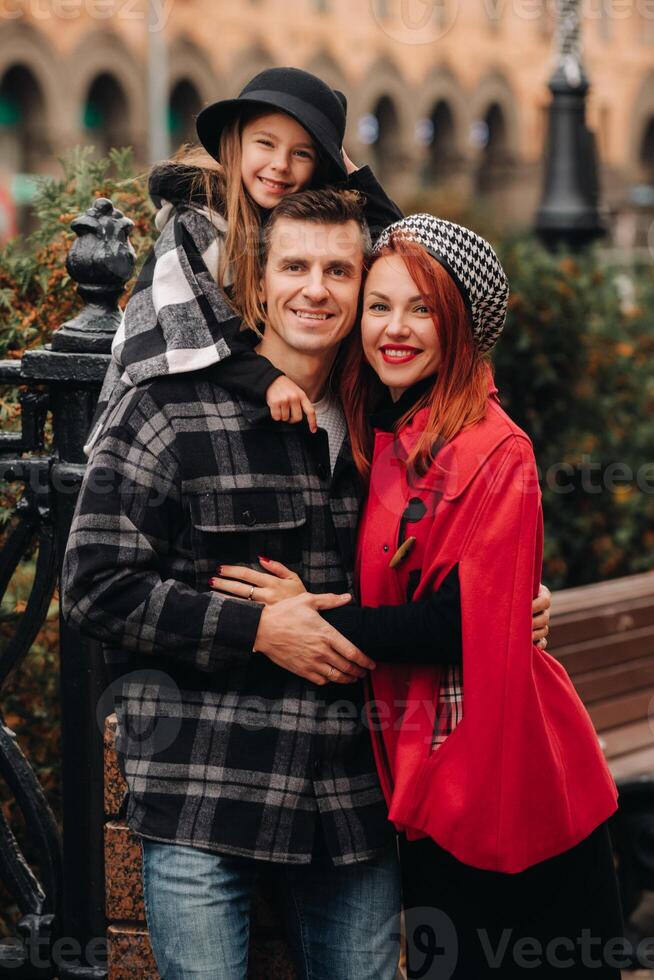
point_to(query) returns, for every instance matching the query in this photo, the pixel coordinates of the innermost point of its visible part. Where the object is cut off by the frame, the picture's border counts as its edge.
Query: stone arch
(103, 55)
(191, 64)
(105, 113)
(24, 49)
(23, 139)
(494, 132)
(495, 90)
(384, 95)
(184, 105)
(442, 126)
(642, 132)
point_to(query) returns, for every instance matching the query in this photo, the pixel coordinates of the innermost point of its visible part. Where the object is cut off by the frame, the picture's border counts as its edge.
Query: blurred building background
(447, 98)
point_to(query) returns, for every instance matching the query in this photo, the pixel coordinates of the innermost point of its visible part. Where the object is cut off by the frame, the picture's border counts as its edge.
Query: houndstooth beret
(472, 264)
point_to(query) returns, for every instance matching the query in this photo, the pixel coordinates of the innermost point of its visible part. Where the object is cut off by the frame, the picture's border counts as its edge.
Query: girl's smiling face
(397, 327)
(278, 158)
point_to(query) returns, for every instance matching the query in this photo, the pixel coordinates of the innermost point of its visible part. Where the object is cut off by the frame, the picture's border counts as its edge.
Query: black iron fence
(61, 932)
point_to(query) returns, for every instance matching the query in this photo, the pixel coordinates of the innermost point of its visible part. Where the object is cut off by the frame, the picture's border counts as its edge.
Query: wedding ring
(251, 592)
(332, 672)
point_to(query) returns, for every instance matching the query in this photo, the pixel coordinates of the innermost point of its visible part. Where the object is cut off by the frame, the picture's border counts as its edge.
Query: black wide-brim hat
(301, 95)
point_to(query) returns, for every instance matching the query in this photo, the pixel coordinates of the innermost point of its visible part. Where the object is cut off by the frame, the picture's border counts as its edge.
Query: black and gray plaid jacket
(221, 749)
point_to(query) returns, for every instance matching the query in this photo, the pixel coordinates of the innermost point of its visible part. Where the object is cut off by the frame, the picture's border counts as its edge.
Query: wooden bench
(604, 636)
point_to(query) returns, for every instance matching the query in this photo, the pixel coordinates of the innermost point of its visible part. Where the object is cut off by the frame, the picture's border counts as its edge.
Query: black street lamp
(569, 210)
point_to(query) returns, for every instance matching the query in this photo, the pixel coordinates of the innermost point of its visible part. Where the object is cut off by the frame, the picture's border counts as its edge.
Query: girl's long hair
(221, 186)
(459, 394)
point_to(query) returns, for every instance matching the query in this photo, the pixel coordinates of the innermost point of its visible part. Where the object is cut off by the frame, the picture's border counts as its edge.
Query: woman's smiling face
(397, 328)
(278, 158)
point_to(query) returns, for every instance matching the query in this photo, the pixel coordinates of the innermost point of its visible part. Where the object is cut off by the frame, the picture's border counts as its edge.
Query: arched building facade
(454, 106)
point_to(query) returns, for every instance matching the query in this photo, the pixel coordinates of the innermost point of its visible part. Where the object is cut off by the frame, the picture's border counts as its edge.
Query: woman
(493, 774)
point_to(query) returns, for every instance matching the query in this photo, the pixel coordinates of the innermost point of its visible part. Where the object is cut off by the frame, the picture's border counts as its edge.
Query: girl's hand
(349, 166)
(541, 617)
(287, 401)
(277, 583)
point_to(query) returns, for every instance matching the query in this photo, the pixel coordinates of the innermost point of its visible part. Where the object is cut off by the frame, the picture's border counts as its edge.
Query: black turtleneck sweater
(426, 631)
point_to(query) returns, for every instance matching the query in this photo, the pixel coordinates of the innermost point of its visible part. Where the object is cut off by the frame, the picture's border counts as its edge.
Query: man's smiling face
(311, 283)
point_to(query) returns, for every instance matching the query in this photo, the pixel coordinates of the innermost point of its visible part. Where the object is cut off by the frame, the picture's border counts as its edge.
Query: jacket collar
(388, 413)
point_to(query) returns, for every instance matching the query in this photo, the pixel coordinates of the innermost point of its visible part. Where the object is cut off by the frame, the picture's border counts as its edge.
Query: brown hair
(220, 186)
(459, 394)
(326, 206)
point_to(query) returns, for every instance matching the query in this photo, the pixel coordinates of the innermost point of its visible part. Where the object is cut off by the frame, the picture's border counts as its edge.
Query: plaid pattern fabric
(449, 710)
(220, 748)
(178, 318)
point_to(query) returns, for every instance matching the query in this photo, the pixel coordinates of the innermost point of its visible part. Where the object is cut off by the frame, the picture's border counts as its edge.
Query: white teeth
(397, 353)
(311, 316)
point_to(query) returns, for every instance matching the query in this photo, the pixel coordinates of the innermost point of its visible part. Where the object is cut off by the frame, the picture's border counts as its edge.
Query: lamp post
(158, 137)
(569, 210)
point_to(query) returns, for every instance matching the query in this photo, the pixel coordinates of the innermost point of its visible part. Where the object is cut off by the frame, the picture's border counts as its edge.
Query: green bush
(574, 370)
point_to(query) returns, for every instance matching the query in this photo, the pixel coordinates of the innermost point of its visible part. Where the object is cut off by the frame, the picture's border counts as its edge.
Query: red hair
(460, 391)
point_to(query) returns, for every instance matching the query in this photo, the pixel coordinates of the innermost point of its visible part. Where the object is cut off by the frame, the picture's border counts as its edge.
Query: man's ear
(261, 291)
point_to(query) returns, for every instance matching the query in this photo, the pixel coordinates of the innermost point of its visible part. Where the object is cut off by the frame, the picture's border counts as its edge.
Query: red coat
(522, 777)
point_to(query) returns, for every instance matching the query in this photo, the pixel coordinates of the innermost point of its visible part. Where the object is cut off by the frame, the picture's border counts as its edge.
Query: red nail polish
(210, 581)
(263, 558)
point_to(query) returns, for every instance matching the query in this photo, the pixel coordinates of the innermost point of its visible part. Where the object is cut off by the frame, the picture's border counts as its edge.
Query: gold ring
(251, 593)
(332, 672)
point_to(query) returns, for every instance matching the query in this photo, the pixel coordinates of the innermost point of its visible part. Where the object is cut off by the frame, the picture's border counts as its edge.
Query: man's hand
(293, 635)
(541, 613)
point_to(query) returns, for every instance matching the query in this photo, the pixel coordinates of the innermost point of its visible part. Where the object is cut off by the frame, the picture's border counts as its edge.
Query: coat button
(248, 517)
(385, 548)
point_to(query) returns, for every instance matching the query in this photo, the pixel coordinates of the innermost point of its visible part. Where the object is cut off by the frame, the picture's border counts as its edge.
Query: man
(255, 761)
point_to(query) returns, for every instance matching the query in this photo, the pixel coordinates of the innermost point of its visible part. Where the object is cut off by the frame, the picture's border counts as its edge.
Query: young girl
(198, 287)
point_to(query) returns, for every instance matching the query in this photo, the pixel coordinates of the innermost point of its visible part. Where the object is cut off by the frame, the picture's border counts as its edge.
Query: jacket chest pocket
(233, 527)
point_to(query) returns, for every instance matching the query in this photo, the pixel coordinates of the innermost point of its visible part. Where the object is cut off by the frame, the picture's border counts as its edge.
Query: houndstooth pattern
(470, 260)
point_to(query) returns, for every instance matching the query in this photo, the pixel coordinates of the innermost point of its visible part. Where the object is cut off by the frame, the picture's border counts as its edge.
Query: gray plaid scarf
(178, 318)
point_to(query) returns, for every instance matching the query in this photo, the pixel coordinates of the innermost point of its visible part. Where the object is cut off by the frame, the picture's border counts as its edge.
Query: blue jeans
(343, 922)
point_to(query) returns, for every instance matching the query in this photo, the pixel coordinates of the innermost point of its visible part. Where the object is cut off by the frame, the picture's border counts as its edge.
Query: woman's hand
(541, 613)
(287, 401)
(349, 166)
(277, 583)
